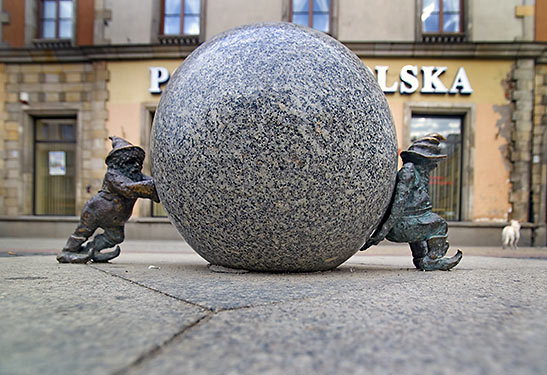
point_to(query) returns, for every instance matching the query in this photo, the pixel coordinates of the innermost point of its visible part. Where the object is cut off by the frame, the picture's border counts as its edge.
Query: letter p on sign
(158, 75)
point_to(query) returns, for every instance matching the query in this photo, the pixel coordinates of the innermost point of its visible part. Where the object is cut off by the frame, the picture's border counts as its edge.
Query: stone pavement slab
(74, 319)
(373, 315)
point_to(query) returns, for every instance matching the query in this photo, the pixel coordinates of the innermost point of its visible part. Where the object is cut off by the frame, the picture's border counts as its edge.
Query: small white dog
(510, 235)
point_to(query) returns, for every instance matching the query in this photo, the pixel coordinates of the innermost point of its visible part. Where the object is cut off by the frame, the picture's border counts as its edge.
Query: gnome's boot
(74, 252)
(99, 243)
(428, 255)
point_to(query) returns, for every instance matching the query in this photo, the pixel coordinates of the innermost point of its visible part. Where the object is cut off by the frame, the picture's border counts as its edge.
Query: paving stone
(56, 319)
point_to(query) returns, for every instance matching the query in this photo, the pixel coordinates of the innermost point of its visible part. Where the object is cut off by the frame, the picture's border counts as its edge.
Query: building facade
(73, 72)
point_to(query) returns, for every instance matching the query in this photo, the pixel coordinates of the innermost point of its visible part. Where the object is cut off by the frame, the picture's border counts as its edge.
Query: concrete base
(459, 233)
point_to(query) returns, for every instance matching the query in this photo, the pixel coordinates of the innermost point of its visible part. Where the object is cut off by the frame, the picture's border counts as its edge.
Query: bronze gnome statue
(111, 207)
(410, 217)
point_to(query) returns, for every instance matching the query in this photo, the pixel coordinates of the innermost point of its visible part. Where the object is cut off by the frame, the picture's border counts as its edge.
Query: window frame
(41, 18)
(181, 22)
(440, 35)
(310, 15)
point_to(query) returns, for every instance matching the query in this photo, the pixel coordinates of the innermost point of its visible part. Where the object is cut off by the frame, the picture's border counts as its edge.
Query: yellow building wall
(489, 81)
(129, 96)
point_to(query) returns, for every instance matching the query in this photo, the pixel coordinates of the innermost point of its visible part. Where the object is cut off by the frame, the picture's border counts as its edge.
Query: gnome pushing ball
(111, 207)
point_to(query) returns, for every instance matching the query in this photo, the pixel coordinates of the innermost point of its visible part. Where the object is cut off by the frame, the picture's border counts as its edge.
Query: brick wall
(521, 139)
(539, 145)
(53, 90)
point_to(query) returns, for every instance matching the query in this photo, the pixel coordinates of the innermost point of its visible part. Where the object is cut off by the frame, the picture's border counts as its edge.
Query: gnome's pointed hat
(120, 145)
(427, 147)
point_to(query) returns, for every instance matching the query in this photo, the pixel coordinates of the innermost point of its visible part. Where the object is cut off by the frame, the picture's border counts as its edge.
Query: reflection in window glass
(65, 9)
(445, 181)
(320, 6)
(50, 9)
(65, 29)
(171, 25)
(300, 6)
(191, 25)
(192, 7)
(451, 5)
(300, 19)
(172, 7)
(48, 29)
(451, 23)
(321, 22)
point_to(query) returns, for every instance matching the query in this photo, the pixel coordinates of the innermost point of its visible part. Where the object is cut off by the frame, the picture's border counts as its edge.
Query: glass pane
(451, 23)
(55, 179)
(65, 9)
(172, 7)
(191, 7)
(431, 24)
(430, 6)
(67, 132)
(451, 5)
(65, 29)
(42, 131)
(50, 9)
(320, 6)
(171, 25)
(300, 19)
(300, 6)
(191, 25)
(48, 29)
(445, 181)
(321, 22)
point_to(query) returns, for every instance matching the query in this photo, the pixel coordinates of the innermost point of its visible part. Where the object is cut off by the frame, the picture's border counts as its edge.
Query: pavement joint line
(150, 354)
(153, 289)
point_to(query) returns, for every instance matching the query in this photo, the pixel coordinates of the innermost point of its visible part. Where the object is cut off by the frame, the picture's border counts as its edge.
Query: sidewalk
(373, 315)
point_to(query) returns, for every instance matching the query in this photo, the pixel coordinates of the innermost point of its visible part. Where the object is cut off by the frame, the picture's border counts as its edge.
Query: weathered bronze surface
(410, 217)
(111, 207)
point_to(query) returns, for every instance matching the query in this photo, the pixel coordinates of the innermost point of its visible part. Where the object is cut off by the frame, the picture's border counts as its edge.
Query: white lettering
(461, 83)
(158, 75)
(431, 83)
(381, 72)
(409, 81)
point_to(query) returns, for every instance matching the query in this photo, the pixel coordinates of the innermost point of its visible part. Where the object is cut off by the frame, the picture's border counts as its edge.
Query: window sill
(52, 43)
(183, 40)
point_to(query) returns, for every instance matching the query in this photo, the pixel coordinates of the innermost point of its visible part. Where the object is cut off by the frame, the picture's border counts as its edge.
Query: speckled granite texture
(273, 149)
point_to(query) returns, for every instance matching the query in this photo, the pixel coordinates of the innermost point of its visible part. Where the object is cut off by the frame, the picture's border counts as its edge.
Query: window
(54, 167)
(445, 183)
(181, 17)
(442, 17)
(56, 19)
(312, 13)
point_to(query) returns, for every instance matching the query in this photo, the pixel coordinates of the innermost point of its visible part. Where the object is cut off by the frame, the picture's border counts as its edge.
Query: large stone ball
(273, 149)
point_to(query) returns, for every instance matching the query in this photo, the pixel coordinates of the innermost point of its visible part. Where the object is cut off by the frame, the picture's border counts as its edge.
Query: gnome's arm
(128, 188)
(397, 209)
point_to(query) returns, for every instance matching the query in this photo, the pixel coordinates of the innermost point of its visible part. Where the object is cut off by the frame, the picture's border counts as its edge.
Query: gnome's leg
(73, 251)
(111, 237)
(85, 229)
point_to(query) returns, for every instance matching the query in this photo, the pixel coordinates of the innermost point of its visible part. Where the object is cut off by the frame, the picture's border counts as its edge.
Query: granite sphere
(273, 149)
